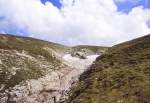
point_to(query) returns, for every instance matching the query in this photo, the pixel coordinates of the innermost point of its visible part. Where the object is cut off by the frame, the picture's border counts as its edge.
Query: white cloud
(80, 22)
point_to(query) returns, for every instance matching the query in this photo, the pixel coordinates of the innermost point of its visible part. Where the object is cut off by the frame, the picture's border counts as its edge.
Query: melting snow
(81, 64)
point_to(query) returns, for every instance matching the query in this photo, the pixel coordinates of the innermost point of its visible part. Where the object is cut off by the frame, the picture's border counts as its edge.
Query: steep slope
(121, 75)
(36, 71)
(31, 69)
(26, 58)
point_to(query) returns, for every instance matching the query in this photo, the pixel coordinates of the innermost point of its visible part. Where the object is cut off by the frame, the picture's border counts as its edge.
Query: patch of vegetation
(121, 75)
(26, 68)
(30, 72)
(33, 46)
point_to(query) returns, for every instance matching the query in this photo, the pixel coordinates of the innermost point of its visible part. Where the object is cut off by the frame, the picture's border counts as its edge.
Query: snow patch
(80, 64)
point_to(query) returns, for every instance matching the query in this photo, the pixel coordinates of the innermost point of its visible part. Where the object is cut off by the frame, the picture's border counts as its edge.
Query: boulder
(80, 55)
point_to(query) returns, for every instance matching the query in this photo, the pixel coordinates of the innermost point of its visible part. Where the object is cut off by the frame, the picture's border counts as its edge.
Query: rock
(80, 55)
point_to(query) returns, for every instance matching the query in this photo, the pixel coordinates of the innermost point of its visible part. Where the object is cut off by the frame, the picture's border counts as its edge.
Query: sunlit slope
(23, 58)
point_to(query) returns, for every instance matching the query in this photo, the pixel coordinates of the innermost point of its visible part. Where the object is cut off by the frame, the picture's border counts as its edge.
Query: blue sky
(125, 6)
(55, 2)
(94, 22)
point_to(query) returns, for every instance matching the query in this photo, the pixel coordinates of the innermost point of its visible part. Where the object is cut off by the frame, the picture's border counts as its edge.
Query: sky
(76, 22)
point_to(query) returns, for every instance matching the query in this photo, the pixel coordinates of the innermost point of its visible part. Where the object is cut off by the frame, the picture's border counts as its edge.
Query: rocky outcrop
(50, 88)
(28, 77)
(80, 55)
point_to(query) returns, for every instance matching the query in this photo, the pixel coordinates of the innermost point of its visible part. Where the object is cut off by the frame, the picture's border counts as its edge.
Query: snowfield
(80, 64)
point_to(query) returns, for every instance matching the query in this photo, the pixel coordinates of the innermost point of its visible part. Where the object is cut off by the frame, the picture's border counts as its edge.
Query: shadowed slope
(121, 75)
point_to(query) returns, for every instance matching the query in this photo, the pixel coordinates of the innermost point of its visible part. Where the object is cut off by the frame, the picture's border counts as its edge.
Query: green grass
(30, 72)
(121, 75)
(32, 46)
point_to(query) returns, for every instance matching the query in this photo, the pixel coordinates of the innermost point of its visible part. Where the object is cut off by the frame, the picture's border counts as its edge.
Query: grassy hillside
(23, 58)
(33, 46)
(121, 75)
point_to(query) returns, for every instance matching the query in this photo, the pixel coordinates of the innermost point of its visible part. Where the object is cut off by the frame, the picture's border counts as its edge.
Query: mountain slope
(24, 58)
(35, 71)
(30, 68)
(121, 75)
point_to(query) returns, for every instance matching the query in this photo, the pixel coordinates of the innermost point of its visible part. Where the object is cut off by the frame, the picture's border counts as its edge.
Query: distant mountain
(121, 75)
(90, 49)
(34, 71)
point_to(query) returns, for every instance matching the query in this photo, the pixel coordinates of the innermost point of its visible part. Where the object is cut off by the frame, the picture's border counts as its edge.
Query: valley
(35, 71)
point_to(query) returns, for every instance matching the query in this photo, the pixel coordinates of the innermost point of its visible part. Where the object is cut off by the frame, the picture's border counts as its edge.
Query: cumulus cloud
(95, 22)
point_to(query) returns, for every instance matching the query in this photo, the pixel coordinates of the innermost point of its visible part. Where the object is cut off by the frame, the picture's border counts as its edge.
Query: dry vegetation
(121, 75)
